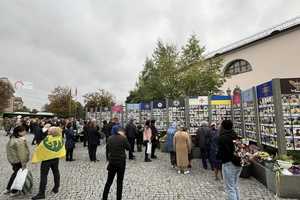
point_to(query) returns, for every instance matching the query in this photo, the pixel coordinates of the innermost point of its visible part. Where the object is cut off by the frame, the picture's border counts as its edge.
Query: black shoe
(148, 160)
(154, 157)
(132, 158)
(55, 191)
(38, 196)
(72, 160)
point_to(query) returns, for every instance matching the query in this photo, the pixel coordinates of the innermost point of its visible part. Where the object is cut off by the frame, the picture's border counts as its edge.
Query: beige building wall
(276, 57)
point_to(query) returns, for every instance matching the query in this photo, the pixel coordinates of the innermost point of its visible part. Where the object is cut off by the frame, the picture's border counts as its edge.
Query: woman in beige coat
(182, 145)
(17, 154)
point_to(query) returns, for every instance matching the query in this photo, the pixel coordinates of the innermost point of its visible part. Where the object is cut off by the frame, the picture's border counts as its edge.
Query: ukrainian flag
(220, 100)
(51, 147)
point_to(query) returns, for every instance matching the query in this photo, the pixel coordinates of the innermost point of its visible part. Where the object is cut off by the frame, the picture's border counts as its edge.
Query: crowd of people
(216, 147)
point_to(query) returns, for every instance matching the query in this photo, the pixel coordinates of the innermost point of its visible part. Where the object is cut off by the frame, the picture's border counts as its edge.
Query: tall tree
(171, 74)
(61, 102)
(100, 98)
(198, 76)
(6, 93)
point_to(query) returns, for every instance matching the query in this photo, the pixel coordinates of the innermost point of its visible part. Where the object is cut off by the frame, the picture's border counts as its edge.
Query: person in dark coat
(106, 130)
(131, 132)
(204, 139)
(213, 151)
(93, 140)
(154, 139)
(85, 133)
(115, 148)
(230, 170)
(70, 142)
(139, 137)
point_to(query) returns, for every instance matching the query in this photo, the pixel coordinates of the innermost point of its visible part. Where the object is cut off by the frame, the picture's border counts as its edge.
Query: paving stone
(83, 180)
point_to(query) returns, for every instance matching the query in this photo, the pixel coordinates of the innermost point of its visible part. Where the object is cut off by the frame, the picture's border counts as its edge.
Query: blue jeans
(231, 174)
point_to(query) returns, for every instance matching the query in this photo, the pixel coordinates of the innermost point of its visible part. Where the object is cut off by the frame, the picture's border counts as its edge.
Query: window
(237, 67)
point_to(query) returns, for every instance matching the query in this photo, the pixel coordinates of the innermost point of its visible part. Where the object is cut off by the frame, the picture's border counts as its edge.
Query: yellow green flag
(51, 147)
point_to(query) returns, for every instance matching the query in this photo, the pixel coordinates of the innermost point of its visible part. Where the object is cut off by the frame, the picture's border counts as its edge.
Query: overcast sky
(92, 44)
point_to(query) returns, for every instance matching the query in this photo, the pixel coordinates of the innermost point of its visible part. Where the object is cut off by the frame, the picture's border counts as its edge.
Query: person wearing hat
(115, 148)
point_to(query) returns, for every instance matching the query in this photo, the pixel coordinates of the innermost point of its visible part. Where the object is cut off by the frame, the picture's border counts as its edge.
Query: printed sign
(290, 86)
(264, 90)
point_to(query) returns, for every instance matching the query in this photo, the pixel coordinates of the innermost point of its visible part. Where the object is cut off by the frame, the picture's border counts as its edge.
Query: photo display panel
(160, 115)
(220, 108)
(266, 109)
(290, 92)
(177, 111)
(237, 112)
(145, 112)
(249, 115)
(198, 112)
(133, 112)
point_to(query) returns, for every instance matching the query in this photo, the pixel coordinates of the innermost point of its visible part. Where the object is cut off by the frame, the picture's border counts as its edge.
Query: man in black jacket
(115, 148)
(131, 132)
(93, 140)
(231, 171)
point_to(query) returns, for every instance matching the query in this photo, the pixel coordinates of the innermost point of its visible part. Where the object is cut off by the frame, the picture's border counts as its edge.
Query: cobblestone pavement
(143, 181)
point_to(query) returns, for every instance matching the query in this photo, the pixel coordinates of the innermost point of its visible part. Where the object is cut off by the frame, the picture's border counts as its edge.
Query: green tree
(61, 102)
(100, 98)
(6, 93)
(198, 76)
(171, 74)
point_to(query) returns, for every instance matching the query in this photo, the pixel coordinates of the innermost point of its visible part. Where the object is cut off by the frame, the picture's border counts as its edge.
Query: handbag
(27, 187)
(149, 148)
(19, 180)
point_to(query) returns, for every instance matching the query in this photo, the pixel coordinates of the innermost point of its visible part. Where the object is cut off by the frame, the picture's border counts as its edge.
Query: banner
(196, 101)
(264, 90)
(23, 85)
(145, 106)
(51, 147)
(176, 103)
(133, 106)
(236, 99)
(117, 108)
(220, 100)
(290, 86)
(248, 95)
(159, 104)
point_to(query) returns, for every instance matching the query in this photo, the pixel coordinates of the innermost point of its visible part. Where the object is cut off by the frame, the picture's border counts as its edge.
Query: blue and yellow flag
(51, 147)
